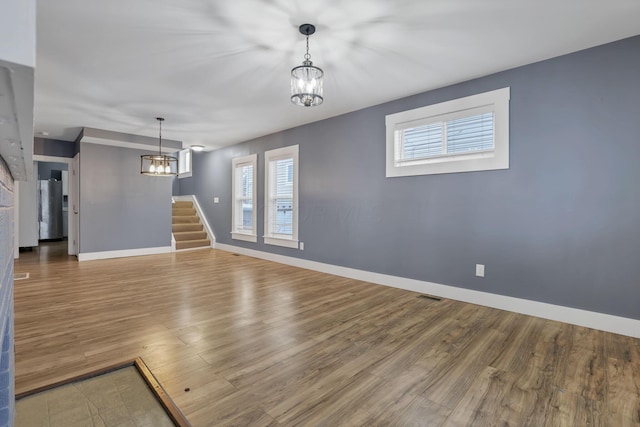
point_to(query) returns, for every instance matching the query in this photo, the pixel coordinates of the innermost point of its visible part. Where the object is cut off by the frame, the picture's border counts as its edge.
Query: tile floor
(118, 398)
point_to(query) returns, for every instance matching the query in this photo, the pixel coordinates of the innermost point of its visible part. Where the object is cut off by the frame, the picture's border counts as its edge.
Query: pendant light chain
(307, 57)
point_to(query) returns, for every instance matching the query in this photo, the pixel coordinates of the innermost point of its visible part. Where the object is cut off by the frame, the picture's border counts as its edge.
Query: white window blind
(461, 135)
(244, 198)
(281, 196)
(455, 136)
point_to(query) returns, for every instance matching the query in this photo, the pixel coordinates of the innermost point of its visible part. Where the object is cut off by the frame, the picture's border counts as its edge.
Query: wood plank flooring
(263, 344)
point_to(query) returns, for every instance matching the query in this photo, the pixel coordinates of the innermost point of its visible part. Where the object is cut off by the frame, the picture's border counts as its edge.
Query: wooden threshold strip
(161, 395)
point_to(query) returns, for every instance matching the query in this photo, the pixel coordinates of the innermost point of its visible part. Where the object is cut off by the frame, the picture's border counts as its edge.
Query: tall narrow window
(281, 197)
(184, 163)
(243, 210)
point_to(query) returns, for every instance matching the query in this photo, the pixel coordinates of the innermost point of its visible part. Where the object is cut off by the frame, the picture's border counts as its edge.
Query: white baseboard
(199, 248)
(90, 256)
(574, 316)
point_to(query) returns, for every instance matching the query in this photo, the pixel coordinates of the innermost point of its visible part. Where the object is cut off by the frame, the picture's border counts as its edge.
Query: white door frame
(72, 196)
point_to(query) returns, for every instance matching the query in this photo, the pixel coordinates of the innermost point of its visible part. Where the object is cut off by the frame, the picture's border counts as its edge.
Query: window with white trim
(184, 163)
(462, 135)
(281, 197)
(243, 210)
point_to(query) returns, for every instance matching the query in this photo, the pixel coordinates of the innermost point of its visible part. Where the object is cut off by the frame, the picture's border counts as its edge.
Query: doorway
(47, 204)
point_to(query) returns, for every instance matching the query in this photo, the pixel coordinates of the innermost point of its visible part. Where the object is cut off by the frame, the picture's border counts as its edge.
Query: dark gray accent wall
(120, 208)
(54, 147)
(560, 226)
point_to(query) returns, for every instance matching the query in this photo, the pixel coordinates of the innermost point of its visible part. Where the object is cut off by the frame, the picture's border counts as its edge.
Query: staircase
(188, 232)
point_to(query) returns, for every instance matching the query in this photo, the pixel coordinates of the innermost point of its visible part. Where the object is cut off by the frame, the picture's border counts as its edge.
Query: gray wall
(560, 226)
(120, 208)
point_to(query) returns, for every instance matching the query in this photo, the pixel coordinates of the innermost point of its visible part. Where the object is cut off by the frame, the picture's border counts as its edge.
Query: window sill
(246, 237)
(452, 164)
(287, 243)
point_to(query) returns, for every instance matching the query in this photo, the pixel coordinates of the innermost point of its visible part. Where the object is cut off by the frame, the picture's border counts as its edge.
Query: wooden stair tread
(189, 244)
(179, 228)
(183, 204)
(183, 236)
(185, 220)
(183, 211)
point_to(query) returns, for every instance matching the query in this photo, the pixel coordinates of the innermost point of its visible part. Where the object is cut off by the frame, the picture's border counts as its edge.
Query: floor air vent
(20, 276)
(431, 297)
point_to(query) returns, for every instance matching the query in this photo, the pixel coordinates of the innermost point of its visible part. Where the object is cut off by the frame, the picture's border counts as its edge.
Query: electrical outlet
(216, 200)
(480, 270)
(302, 246)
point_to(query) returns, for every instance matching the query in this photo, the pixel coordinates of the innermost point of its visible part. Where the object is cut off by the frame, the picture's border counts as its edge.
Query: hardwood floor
(263, 344)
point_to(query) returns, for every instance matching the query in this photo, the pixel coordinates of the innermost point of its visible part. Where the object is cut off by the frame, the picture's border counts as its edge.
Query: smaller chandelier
(158, 164)
(306, 79)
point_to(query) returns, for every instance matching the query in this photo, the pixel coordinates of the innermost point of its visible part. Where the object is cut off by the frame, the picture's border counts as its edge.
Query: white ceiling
(218, 71)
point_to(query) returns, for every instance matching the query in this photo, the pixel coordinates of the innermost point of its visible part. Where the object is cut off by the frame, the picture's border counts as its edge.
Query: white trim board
(90, 256)
(54, 159)
(198, 248)
(574, 316)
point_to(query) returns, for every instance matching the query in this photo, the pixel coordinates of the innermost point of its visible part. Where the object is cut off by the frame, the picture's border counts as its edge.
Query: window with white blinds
(281, 197)
(243, 210)
(184, 163)
(470, 134)
(462, 135)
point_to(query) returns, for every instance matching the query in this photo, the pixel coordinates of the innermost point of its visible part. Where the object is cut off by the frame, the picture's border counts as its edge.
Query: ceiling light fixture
(197, 147)
(306, 79)
(158, 164)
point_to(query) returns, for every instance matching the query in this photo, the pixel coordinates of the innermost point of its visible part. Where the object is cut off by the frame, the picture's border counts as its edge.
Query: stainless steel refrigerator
(50, 209)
